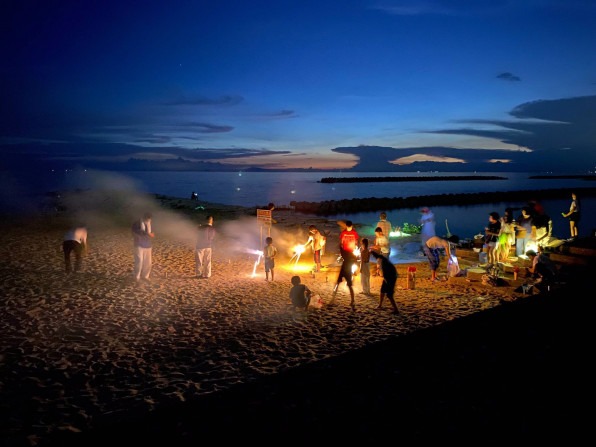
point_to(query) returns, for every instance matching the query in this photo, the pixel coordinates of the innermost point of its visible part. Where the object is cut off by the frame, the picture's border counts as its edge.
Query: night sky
(376, 84)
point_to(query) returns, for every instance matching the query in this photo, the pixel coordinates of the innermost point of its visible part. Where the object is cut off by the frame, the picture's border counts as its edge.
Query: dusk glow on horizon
(365, 84)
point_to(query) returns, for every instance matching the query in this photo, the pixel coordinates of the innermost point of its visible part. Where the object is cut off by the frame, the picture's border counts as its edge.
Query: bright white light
(357, 252)
(398, 234)
(260, 254)
(532, 246)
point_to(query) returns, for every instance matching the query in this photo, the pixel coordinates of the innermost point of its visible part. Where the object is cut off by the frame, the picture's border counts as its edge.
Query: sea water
(259, 188)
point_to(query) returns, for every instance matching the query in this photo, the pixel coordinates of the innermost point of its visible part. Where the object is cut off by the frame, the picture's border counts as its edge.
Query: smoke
(106, 201)
(244, 236)
(114, 201)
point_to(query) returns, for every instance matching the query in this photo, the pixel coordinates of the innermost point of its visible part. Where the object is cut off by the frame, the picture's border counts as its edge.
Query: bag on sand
(453, 266)
(316, 301)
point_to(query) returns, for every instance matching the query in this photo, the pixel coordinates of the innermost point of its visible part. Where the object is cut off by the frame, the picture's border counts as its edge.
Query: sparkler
(260, 255)
(298, 250)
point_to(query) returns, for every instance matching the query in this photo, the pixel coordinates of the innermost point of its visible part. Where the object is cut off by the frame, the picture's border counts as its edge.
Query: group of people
(502, 233)
(75, 241)
(533, 225)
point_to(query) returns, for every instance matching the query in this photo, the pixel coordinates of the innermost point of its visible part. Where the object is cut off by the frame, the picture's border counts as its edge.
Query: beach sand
(83, 350)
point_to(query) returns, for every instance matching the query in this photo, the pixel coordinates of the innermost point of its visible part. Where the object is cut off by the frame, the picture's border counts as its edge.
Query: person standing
(523, 226)
(143, 235)
(506, 236)
(364, 267)
(348, 240)
(492, 236)
(389, 280)
(75, 241)
(269, 252)
(203, 249)
(318, 244)
(573, 215)
(381, 245)
(384, 225)
(427, 220)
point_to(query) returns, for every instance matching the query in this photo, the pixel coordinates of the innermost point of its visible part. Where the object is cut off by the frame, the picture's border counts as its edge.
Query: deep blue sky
(282, 83)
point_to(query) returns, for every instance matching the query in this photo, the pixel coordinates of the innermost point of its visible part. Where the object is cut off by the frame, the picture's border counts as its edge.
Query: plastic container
(411, 278)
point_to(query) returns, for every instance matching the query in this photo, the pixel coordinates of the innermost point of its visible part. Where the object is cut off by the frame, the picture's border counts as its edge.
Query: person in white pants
(203, 249)
(141, 230)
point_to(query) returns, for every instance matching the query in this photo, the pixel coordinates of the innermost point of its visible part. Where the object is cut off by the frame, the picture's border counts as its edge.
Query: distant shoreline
(559, 177)
(330, 207)
(408, 179)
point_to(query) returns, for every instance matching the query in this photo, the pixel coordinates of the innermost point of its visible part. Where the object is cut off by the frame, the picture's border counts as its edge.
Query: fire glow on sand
(298, 250)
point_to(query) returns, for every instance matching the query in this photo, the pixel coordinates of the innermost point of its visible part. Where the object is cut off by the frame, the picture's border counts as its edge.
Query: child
(299, 294)
(492, 235)
(269, 252)
(365, 267)
(381, 246)
(389, 280)
(318, 244)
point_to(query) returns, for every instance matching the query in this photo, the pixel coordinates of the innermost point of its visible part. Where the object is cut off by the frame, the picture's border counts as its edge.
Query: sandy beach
(84, 350)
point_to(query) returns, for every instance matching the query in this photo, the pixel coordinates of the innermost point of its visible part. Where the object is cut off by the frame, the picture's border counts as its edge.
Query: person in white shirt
(141, 230)
(384, 224)
(75, 241)
(427, 220)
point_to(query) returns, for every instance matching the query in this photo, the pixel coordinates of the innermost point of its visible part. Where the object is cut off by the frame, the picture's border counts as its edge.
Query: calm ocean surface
(259, 188)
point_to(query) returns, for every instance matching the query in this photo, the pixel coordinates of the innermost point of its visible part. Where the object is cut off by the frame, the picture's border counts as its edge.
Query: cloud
(208, 128)
(544, 125)
(508, 77)
(113, 155)
(430, 7)
(284, 114)
(203, 101)
(476, 7)
(154, 139)
(280, 114)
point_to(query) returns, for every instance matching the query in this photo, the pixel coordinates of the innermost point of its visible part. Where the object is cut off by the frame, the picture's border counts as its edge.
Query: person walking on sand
(431, 250)
(345, 272)
(269, 252)
(573, 215)
(141, 230)
(365, 267)
(75, 241)
(427, 220)
(203, 249)
(389, 280)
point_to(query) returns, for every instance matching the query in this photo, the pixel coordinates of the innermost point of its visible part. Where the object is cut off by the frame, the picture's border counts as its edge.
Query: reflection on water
(259, 188)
